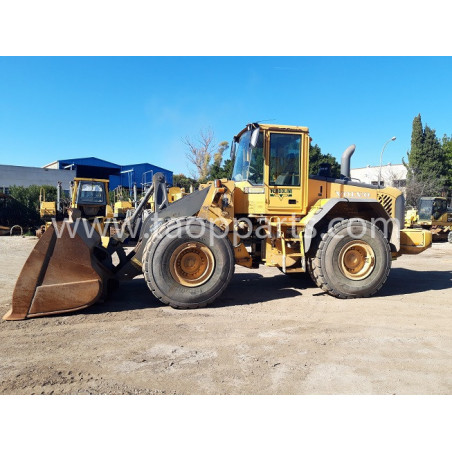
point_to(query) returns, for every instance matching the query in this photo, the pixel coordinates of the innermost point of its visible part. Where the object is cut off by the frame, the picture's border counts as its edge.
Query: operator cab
(248, 150)
(91, 198)
(432, 208)
(271, 160)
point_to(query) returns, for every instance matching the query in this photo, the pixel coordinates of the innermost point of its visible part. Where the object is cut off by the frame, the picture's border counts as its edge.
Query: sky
(139, 109)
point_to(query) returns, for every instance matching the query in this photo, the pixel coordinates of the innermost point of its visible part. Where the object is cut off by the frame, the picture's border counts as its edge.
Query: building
(87, 167)
(65, 170)
(27, 175)
(124, 175)
(391, 175)
(139, 174)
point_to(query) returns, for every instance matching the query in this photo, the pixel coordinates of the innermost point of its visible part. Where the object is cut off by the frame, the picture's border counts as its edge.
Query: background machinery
(124, 206)
(122, 202)
(89, 199)
(49, 209)
(432, 213)
(344, 234)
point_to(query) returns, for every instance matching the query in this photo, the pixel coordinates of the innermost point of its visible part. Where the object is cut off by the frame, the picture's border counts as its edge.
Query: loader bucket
(62, 274)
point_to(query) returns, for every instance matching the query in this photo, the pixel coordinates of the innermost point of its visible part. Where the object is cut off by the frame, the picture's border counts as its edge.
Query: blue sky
(131, 110)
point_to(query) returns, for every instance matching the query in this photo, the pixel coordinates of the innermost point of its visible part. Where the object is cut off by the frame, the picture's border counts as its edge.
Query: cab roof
(284, 127)
(90, 179)
(277, 127)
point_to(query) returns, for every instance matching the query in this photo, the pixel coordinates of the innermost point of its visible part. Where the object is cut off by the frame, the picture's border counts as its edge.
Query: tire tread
(147, 270)
(315, 267)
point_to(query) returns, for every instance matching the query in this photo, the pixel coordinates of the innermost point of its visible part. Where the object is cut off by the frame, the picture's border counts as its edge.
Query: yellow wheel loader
(433, 214)
(89, 199)
(47, 211)
(122, 202)
(344, 234)
(124, 206)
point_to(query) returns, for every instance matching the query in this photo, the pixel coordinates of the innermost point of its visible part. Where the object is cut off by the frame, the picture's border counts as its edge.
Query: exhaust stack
(345, 162)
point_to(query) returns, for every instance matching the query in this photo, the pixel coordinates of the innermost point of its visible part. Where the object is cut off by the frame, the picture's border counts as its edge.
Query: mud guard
(371, 207)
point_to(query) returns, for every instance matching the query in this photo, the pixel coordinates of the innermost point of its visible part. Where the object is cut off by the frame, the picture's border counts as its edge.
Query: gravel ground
(267, 334)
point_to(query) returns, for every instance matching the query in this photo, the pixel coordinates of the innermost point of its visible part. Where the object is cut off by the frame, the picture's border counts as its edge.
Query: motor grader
(344, 234)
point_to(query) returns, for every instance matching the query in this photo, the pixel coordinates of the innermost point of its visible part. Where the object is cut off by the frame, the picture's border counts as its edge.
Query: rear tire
(187, 263)
(353, 260)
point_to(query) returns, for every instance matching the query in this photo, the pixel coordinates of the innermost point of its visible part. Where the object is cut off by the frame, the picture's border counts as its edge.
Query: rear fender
(342, 208)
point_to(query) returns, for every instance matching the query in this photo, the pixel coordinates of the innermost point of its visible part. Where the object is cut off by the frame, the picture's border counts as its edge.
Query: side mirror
(254, 137)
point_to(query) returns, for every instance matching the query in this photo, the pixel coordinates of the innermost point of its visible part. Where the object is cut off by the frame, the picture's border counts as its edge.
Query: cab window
(284, 159)
(249, 162)
(91, 193)
(256, 169)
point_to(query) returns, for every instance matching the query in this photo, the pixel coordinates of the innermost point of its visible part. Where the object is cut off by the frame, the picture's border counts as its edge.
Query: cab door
(284, 187)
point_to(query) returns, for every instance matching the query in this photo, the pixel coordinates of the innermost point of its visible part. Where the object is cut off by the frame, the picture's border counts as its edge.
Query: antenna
(263, 120)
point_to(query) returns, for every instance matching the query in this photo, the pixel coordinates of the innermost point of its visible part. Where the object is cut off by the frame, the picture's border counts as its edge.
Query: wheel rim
(192, 264)
(357, 260)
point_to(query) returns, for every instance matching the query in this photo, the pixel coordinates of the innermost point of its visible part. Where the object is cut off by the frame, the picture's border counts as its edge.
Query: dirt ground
(267, 334)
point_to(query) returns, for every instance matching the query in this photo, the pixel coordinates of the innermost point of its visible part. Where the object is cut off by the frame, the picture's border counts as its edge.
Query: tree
(29, 196)
(218, 156)
(417, 140)
(447, 148)
(434, 164)
(228, 166)
(221, 172)
(316, 158)
(200, 153)
(182, 181)
(23, 208)
(417, 187)
(216, 171)
(427, 167)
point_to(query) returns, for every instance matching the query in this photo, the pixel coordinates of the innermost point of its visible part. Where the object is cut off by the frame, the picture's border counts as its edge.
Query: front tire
(353, 260)
(188, 263)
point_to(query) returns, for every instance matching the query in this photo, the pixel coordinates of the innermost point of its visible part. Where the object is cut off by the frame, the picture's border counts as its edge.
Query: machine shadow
(130, 295)
(244, 289)
(402, 281)
(251, 288)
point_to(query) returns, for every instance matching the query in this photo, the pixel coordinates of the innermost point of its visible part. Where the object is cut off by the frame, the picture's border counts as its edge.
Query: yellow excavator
(344, 234)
